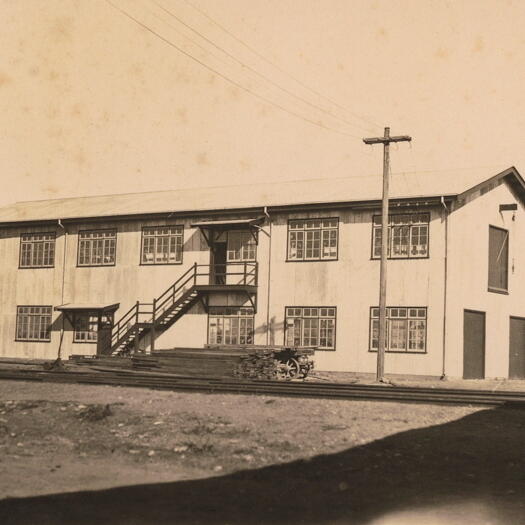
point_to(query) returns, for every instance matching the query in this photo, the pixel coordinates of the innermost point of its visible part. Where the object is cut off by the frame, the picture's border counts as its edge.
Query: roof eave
(366, 203)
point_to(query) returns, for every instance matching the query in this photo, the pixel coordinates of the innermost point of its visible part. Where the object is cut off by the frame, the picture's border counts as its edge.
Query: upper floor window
(312, 239)
(37, 250)
(498, 259)
(407, 235)
(33, 323)
(97, 247)
(162, 245)
(310, 326)
(241, 246)
(406, 329)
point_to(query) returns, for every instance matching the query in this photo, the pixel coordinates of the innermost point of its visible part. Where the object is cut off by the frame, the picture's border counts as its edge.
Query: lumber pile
(257, 365)
(241, 362)
(192, 362)
(100, 361)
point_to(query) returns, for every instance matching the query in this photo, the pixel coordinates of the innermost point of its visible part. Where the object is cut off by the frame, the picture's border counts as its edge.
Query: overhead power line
(255, 71)
(225, 77)
(279, 68)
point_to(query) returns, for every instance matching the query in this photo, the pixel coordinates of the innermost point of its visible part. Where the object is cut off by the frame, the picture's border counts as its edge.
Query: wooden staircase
(156, 317)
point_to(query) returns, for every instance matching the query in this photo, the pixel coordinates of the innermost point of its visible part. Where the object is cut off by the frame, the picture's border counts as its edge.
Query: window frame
(29, 340)
(88, 314)
(91, 265)
(253, 235)
(22, 243)
(496, 289)
(142, 238)
(321, 230)
(252, 317)
(408, 318)
(319, 317)
(390, 226)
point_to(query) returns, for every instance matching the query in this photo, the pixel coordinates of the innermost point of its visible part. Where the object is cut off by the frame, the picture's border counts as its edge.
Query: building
(294, 263)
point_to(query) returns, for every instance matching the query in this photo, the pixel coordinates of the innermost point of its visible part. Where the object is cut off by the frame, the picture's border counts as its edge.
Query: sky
(241, 91)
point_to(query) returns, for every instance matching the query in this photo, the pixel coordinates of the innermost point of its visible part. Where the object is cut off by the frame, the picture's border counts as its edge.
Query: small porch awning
(228, 224)
(207, 227)
(87, 307)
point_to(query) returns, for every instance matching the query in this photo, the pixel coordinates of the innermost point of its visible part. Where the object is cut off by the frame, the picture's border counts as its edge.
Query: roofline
(514, 178)
(360, 204)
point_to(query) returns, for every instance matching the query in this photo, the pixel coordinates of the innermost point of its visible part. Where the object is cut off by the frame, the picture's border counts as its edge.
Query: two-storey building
(292, 263)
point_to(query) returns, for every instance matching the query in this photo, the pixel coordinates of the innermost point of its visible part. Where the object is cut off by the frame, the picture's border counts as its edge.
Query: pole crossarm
(387, 140)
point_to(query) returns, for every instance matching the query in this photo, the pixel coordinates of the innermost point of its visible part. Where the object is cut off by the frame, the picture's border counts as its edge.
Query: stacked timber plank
(191, 362)
(242, 362)
(101, 361)
(257, 365)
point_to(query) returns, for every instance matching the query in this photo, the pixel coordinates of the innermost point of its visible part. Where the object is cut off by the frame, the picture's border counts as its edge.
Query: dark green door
(517, 348)
(473, 344)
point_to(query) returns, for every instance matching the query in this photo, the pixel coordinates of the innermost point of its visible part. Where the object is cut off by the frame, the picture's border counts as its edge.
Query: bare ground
(101, 454)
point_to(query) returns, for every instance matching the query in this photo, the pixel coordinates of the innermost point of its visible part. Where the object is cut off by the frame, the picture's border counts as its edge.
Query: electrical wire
(279, 68)
(225, 77)
(259, 74)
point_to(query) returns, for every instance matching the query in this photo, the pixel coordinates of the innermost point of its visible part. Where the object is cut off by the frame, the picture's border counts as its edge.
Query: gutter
(445, 285)
(269, 276)
(59, 352)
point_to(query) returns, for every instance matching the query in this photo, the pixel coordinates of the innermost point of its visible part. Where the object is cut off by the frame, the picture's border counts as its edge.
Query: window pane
(398, 334)
(312, 239)
(408, 235)
(160, 245)
(419, 241)
(374, 334)
(97, 248)
(310, 326)
(33, 323)
(85, 327)
(400, 235)
(230, 325)
(416, 335)
(406, 329)
(37, 250)
(241, 246)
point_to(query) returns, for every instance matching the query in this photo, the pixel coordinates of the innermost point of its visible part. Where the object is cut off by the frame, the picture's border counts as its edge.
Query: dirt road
(99, 454)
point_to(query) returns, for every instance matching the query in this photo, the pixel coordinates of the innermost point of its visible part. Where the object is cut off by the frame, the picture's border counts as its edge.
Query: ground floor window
(230, 325)
(33, 323)
(406, 329)
(310, 326)
(86, 326)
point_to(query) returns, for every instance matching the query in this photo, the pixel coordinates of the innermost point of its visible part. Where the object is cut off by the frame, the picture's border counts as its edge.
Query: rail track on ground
(305, 389)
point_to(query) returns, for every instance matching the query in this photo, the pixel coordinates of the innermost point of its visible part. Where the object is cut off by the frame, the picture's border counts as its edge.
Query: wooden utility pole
(385, 140)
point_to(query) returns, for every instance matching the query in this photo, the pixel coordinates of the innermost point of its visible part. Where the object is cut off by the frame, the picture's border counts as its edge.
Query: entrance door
(105, 326)
(517, 348)
(473, 344)
(218, 270)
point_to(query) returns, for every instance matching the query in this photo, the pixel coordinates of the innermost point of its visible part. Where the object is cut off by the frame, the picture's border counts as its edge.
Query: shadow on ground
(471, 470)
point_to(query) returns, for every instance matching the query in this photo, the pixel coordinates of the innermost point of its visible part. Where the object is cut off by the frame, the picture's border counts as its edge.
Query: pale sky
(92, 103)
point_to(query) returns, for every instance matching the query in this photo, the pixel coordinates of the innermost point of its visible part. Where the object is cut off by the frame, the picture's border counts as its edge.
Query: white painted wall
(468, 277)
(350, 284)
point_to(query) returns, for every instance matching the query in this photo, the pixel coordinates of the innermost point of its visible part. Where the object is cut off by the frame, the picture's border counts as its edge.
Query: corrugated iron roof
(359, 188)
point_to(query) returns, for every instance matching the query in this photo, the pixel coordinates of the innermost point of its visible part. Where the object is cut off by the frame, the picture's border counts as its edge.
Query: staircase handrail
(171, 292)
(249, 272)
(123, 322)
